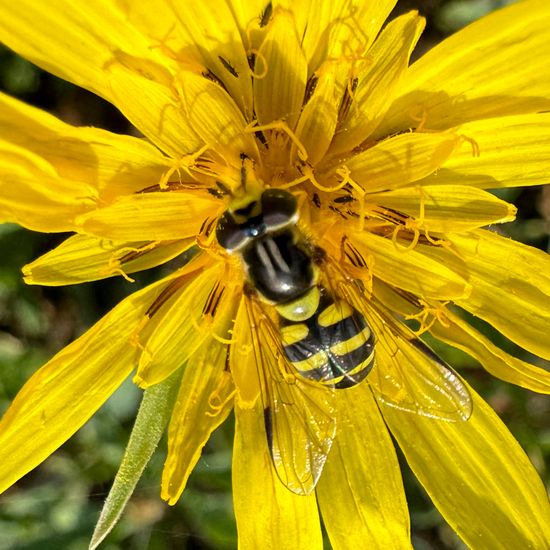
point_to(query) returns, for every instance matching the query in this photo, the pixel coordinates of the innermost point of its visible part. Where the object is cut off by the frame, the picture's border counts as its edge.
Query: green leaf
(153, 415)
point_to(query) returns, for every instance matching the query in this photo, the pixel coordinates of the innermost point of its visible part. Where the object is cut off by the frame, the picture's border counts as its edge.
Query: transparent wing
(407, 374)
(299, 416)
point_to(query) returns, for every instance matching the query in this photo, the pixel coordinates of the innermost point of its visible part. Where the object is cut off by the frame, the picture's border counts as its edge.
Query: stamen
(218, 406)
(473, 143)
(412, 225)
(128, 253)
(437, 312)
(421, 117)
(281, 125)
(258, 55)
(345, 173)
(225, 341)
(186, 162)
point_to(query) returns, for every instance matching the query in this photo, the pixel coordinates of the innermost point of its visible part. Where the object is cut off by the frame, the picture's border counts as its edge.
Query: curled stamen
(473, 143)
(186, 162)
(422, 117)
(345, 173)
(428, 315)
(258, 55)
(114, 269)
(225, 341)
(412, 224)
(216, 403)
(281, 125)
(412, 244)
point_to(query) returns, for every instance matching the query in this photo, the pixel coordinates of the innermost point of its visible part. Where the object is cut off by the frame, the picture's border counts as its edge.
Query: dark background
(56, 506)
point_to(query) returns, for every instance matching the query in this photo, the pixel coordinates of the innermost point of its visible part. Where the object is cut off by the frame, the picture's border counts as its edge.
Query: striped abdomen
(334, 346)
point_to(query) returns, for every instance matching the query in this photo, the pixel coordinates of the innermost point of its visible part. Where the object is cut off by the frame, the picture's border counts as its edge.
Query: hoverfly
(310, 342)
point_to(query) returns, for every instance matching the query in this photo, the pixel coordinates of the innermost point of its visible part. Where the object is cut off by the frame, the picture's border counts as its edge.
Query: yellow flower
(389, 166)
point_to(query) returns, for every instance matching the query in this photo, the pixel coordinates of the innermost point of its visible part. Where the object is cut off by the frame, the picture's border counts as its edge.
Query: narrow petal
(221, 48)
(451, 328)
(511, 151)
(204, 401)
(34, 196)
(510, 285)
(79, 379)
(409, 269)
(462, 78)
(319, 116)
(401, 160)
(149, 216)
(378, 80)
(201, 36)
(447, 208)
(95, 46)
(360, 493)
(186, 322)
(478, 477)
(215, 117)
(338, 30)
(461, 335)
(281, 72)
(287, 521)
(156, 108)
(75, 43)
(242, 361)
(110, 163)
(83, 258)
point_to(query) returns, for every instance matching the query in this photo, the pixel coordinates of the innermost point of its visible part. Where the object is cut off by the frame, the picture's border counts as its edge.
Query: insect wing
(409, 376)
(299, 416)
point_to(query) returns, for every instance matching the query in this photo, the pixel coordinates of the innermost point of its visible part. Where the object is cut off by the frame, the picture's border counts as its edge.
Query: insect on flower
(312, 334)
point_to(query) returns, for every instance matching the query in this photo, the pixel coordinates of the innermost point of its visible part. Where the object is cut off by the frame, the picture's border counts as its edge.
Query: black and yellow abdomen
(334, 346)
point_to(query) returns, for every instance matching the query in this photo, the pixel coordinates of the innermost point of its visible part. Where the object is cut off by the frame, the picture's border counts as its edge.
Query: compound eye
(279, 209)
(230, 236)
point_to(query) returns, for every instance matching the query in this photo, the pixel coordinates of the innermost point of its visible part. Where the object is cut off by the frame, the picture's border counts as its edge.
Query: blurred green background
(56, 506)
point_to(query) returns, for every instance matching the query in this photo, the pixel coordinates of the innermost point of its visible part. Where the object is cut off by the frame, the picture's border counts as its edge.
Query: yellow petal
(75, 44)
(449, 327)
(215, 118)
(287, 521)
(409, 269)
(32, 195)
(319, 116)
(204, 401)
(156, 108)
(462, 78)
(510, 285)
(110, 163)
(477, 476)
(184, 322)
(511, 151)
(338, 30)
(398, 161)
(378, 80)
(360, 493)
(210, 27)
(281, 72)
(447, 208)
(204, 36)
(154, 216)
(83, 258)
(461, 335)
(67, 391)
(97, 48)
(242, 360)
